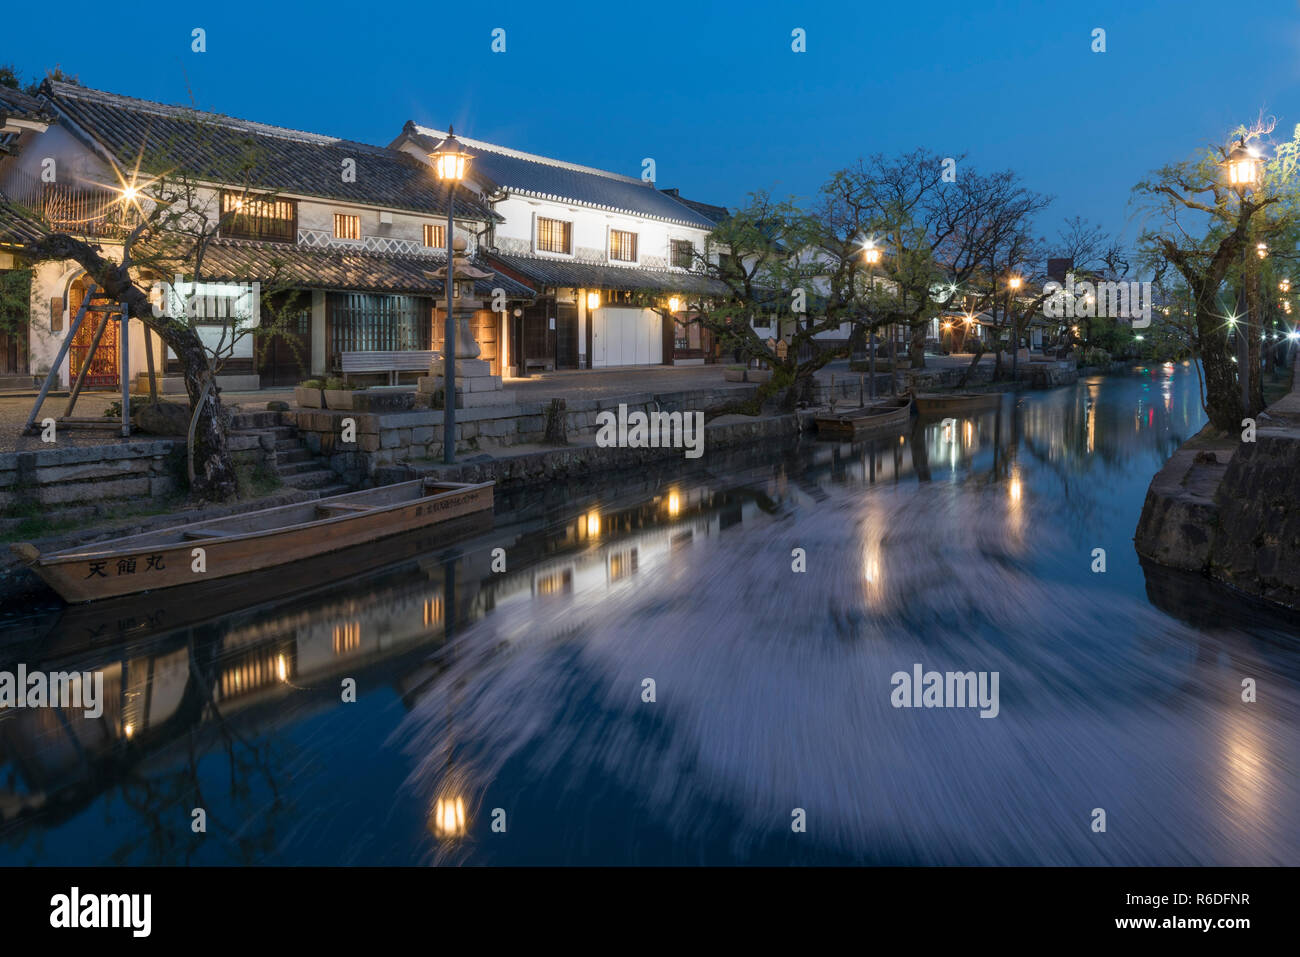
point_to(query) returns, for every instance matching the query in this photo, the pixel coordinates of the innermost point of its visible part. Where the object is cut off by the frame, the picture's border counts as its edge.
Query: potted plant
(309, 394)
(734, 374)
(758, 375)
(338, 395)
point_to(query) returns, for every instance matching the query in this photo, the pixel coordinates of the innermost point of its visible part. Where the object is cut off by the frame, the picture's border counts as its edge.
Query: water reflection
(963, 545)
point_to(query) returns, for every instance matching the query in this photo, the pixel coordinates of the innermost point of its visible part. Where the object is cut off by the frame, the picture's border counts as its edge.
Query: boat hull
(861, 422)
(963, 402)
(109, 572)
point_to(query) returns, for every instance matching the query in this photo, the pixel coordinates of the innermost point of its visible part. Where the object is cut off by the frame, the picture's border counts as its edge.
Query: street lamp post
(1013, 284)
(449, 161)
(871, 256)
(1243, 175)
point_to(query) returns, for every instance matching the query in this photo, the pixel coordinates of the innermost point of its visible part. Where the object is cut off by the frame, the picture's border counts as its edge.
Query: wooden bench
(404, 360)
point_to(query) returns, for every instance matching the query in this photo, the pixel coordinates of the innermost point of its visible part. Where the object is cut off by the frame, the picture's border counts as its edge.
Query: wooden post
(85, 366)
(53, 374)
(148, 358)
(125, 334)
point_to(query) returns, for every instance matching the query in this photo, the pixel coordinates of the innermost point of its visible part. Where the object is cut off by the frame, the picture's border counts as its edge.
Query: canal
(634, 672)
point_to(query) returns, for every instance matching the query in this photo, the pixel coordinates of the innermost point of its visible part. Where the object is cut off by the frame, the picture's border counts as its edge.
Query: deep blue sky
(712, 90)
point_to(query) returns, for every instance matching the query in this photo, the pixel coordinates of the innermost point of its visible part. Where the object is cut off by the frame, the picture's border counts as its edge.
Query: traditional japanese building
(614, 260)
(341, 235)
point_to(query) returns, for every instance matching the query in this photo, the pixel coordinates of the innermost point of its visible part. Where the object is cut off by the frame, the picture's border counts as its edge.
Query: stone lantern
(473, 381)
(464, 275)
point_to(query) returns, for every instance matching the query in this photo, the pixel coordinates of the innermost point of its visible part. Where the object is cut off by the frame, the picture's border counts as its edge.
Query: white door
(599, 338)
(626, 337)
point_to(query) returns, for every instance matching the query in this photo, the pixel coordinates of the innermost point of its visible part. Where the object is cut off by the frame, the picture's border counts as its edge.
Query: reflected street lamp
(1013, 286)
(449, 162)
(871, 256)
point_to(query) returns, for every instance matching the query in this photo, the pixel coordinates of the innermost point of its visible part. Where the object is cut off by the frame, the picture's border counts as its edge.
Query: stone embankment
(1230, 508)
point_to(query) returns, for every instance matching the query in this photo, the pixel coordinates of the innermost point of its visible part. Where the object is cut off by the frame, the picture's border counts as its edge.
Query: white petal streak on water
(774, 693)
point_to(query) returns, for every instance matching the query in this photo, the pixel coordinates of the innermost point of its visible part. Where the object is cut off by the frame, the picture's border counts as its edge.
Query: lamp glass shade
(1243, 168)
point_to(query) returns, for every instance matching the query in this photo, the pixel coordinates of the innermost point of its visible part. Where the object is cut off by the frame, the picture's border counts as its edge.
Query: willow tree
(1206, 230)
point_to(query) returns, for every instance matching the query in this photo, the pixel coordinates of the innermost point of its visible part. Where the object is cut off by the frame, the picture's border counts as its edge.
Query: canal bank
(1228, 507)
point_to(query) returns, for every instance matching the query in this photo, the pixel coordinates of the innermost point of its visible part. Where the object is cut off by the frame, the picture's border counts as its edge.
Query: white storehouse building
(610, 257)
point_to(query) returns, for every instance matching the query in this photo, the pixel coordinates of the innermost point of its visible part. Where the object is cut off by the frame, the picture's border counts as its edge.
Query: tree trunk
(970, 369)
(1222, 393)
(214, 470)
(1255, 310)
(916, 348)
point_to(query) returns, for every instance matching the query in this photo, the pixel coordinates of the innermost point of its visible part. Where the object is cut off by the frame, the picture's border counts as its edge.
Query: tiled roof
(17, 103)
(236, 260)
(16, 226)
(216, 148)
(540, 176)
(563, 272)
(715, 214)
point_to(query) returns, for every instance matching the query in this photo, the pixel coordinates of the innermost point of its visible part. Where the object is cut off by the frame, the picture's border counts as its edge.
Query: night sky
(713, 92)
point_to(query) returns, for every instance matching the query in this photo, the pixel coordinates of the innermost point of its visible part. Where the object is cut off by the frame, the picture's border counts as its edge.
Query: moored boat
(885, 417)
(251, 541)
(949, 403)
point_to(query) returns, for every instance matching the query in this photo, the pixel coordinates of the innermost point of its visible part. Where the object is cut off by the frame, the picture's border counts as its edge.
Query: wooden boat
(889, 416)
(252, 541)
(952, 403)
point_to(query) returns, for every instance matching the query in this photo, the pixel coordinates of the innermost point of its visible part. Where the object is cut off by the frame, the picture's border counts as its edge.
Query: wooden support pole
(148, 358)
(53, 374)
(85, 366)
(125, 348)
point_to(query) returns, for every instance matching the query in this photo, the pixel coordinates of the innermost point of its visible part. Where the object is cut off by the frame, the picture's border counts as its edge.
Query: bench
(403, 360)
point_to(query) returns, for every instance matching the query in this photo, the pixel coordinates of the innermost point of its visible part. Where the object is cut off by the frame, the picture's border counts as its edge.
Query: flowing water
(502, 711)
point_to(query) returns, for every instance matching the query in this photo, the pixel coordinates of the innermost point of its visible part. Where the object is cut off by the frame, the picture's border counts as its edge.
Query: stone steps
(294, 462)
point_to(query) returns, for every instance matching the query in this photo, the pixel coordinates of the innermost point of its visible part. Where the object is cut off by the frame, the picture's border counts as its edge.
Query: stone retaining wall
(53, 478)
(1238, 523)
(580, 460)
(386, 439)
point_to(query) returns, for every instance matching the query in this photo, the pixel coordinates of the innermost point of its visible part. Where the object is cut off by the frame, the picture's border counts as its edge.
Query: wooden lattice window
(435, 235)
(683, 253)
(554, 236)
(246, 216)
(622, 245)
(347, 226)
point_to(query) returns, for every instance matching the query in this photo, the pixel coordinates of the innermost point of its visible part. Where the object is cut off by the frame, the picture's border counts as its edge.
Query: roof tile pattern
(16, 226)
(220, 149)
(553, 179)
(345, 270)
(563, 272)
